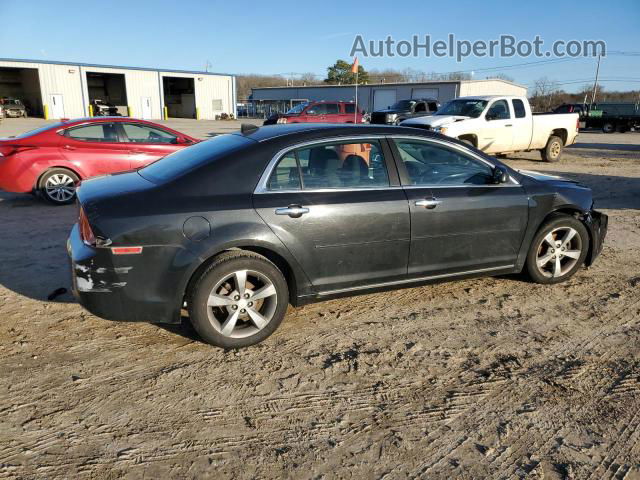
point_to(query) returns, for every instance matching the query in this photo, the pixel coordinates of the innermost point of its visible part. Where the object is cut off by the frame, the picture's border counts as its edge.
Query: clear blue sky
(299, 36)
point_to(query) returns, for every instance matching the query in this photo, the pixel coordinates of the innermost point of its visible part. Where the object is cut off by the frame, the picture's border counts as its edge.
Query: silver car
(12, 107)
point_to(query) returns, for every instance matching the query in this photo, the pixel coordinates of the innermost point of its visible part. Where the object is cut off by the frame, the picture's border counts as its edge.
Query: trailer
(608, 116)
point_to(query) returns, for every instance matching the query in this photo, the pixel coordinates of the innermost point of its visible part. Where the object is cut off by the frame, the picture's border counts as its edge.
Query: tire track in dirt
(510, 389)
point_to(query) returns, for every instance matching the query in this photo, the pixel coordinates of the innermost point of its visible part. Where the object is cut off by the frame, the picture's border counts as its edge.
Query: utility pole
(595, 83)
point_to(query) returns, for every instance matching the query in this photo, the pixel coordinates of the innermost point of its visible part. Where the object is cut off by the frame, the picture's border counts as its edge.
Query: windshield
(403, 105)
(11, 101)
(297, 108)
(31, 133)
(188, 159)
(464, 108)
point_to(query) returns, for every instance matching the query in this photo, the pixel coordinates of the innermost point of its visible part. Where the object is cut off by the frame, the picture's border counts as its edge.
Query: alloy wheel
(60, 187)
(558, 252)
(555, 149)
(242, 304)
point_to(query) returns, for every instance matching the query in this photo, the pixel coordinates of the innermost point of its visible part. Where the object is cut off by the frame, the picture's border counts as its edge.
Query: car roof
(329, 101)
(73, 121)
(268, 132)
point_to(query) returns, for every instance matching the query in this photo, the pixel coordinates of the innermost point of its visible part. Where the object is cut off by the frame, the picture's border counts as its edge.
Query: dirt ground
(494, 377)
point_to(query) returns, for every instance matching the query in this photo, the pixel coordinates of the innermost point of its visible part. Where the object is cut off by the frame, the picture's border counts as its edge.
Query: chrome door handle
(430, 203)
(294, 211)
(509, 125)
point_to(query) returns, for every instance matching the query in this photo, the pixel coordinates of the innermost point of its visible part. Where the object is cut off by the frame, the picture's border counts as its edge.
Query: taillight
(8, 150)
(85, 229)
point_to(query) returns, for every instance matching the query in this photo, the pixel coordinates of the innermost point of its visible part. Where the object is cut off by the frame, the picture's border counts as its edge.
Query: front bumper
(597, 223)
(126, 288)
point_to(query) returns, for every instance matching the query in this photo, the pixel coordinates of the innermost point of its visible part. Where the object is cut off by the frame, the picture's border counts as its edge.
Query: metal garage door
(424, 93)
(383, 98)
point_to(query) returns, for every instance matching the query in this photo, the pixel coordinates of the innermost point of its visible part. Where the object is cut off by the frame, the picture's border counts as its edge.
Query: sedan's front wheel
(558, 250)
(239, 300)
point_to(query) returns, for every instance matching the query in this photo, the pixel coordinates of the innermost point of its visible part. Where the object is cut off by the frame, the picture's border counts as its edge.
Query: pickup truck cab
(405, 109)
(502, 124)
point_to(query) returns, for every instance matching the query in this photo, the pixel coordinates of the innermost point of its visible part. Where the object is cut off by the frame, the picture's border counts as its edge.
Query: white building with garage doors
(378, 96)
(69, 90)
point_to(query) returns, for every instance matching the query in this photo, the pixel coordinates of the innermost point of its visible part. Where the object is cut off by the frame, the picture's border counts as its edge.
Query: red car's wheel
(58, 186)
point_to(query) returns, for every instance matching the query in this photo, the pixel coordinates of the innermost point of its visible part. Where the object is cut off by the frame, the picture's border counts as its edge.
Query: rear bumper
(126, 288)
(598, 223)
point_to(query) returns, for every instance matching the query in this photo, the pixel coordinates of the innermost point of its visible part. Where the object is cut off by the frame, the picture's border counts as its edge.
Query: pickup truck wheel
(608, 127)
(553, 151)
(239, 300)
(558, 250)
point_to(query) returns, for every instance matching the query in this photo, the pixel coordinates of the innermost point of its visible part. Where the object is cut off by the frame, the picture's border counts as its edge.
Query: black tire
(536, 252)
(608, 127)
(202, 316)
(47, 190)
(553, 150)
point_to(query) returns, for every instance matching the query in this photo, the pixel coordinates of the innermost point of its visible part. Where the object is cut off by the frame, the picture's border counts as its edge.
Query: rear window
(31, 133)
(188, 159)
(518, 107)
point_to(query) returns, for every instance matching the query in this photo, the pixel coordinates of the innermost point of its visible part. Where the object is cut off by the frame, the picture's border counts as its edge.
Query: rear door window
(100, 132)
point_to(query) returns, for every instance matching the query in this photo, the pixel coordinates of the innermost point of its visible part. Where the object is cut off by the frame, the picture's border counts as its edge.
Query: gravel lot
(494, 377)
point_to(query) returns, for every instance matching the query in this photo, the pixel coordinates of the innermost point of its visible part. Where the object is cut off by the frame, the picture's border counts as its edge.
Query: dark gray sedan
(232, 230)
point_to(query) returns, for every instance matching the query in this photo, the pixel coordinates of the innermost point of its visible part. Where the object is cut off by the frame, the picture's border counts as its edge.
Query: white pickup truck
(502, 124)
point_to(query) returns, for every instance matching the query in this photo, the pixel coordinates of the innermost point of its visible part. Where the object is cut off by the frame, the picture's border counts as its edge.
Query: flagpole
(355, 112)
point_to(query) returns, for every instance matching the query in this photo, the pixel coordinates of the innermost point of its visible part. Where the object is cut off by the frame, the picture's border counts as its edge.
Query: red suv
(318, 112)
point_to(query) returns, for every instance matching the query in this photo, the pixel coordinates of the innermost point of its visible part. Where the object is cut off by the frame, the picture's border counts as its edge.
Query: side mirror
(500, 175)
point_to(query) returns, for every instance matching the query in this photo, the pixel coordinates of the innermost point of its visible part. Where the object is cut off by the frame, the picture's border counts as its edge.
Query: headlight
(391, 117)
(282, 120)
(440, 130)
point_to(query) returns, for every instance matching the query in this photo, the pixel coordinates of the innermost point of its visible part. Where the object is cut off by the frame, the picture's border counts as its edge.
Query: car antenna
(248, 128)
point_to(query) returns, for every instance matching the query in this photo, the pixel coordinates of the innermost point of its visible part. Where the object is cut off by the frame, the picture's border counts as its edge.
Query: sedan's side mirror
(500, 175)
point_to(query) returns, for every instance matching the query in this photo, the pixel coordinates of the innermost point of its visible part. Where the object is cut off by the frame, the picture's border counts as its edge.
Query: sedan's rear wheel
(558, 250)
(58, 186)
(239, 300)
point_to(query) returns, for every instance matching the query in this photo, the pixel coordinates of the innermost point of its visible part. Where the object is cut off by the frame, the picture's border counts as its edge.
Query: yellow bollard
(197, 114)
(46, 112)
(90, 110)
(166, 113)
(129, 110)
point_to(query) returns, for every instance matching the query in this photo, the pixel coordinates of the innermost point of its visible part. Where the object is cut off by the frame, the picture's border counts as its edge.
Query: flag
(354, 67)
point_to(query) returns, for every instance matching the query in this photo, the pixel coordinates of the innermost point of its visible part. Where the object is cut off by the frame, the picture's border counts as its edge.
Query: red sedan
(52, 159)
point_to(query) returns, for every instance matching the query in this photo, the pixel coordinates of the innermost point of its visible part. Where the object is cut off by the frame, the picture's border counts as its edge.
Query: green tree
(340, 74)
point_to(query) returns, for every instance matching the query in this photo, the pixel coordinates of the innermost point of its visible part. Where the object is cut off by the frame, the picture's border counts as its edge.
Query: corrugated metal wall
(214, 94)
(491, 87)
(366, 93)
